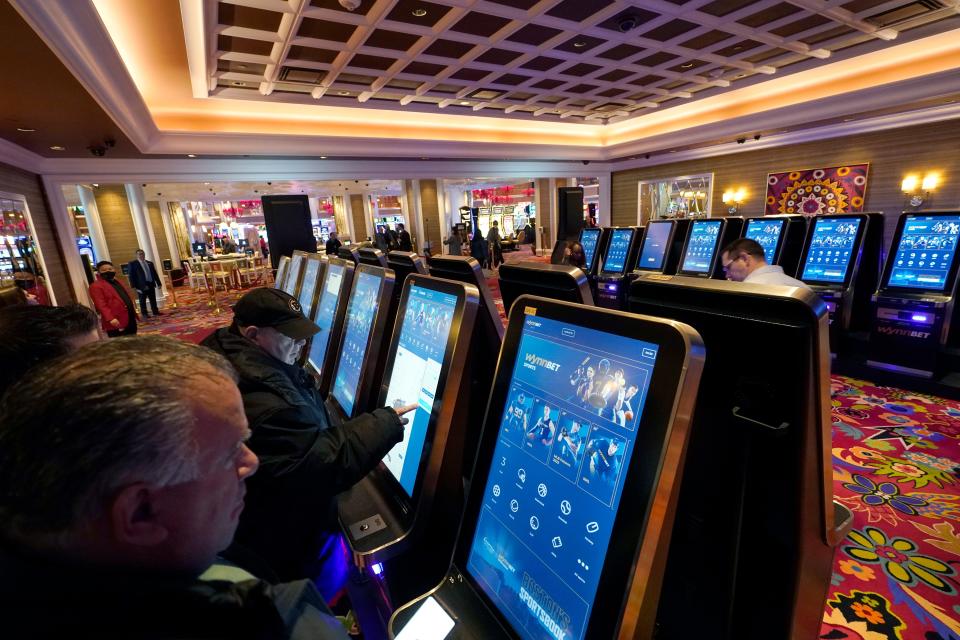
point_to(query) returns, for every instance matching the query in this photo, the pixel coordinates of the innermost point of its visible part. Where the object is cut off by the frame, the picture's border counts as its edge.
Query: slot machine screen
(310, 273)
(831, 249)
(767, 234)
(293, 274)
(326, 314)
(704, 235)
(588, 240)
(416, 374)
(655, 245)
(927, 249)
(616, 259)
(566, 438)
(361, 310)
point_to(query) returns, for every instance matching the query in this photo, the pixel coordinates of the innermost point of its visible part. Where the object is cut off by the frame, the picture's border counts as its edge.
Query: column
(430, 214)
(605, 219)
(170, 234)
(141, 223)
(92, 214)
(342, 219)
(368, 214)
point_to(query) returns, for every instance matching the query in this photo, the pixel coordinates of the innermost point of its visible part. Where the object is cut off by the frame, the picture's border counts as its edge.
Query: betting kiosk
(402, 514)
(622, 249)
(291, 284)
(283, 267)
(662, 245)
(545, 536)
(752, 557)
(359, 368)
(705, 241)
(373, 257)
(915, 305)
(403, 264)
(840, 262)
(349, 252)
(555, 281)
(594, 242)
(310, 283)
(330, 310)
(781, 238)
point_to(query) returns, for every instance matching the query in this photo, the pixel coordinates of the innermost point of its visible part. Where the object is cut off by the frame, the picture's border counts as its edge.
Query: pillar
(141, 223)
(92, 214)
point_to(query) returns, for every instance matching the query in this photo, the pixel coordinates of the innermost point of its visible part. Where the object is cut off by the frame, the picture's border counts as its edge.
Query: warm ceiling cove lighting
(25, 129)
(57, 147)
(419, 13)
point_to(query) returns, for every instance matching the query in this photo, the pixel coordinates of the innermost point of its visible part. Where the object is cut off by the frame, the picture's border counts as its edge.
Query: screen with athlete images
(654, 249)
(310, 273)
(326, 314)
(831, 249)
(293, 274)
(588, 240)
(566, 437)
(704, 236)
(927, 249)
(616, 258)
(361, 310)
(767, 234)
(416, 374)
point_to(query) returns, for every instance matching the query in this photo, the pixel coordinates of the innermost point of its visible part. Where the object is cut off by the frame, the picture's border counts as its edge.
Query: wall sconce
(917, 190)
(734, 199)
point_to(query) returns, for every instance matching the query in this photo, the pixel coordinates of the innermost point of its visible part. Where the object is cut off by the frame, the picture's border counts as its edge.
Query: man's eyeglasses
(726, 265)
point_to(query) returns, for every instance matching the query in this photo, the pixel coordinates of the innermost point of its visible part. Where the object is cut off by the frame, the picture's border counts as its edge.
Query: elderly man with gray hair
(122, 469)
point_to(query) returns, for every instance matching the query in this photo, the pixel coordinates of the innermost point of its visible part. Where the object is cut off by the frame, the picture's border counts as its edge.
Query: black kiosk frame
(308, 299)
(323, 371)
(599, 247)
(283, 266)
(729, 229)
(672, 245)
(611, 282)
(555, 281)
(790, 240)
(349, 252)
(372, 256)
(291, 284)
(632, 568)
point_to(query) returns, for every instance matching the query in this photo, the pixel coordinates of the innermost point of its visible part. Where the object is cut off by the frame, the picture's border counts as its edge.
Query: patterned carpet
(896, 459)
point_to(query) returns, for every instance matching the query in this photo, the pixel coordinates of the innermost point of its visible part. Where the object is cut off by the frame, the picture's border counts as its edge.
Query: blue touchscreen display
(767, 234)
(704, 235)
(416, 373)
(326, 314)
(310, 273)
(831, 249)
(616, 260)
(927, 249)
(565, 441)
(588, 240)
(655, 246)
(293, 275)
(360, 312)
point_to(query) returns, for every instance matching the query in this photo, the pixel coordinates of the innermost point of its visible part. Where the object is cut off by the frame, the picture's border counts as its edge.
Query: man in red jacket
(113, 302)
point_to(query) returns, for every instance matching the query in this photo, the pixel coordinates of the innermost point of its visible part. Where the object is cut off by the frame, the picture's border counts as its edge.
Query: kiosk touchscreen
(329, 313)
(283, 267)
(403, 264)
(621, 253)
(372, 257)
(655, 246)
(349, 252)
(412, 496)
(705, 240)
(555, 281)
(310, 283)
(915, 305)
(571, 427)
(781, 238)
(355, 374)
(593, 241)
(291, 283)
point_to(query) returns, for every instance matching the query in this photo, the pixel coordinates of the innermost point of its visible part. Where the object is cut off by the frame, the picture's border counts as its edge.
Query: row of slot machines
(565, 489)
(905, 303)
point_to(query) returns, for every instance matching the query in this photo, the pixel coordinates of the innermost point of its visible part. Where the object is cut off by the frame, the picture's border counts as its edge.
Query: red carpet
(895, 465)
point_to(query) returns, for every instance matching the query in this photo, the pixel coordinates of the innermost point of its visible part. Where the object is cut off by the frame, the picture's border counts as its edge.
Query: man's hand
(115, 323)
(406, 408)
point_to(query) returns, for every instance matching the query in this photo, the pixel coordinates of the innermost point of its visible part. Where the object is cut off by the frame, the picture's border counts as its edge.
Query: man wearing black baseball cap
(304, 460)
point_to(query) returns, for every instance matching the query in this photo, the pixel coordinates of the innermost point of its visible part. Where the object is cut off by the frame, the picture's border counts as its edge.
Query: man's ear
(249, 332)
(133, 516)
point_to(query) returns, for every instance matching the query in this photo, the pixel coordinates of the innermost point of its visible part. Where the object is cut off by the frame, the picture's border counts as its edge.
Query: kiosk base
(906, 335)
(611, 293)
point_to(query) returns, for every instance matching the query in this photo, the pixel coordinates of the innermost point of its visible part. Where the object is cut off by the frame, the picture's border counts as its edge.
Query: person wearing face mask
(305, 461)
(113, 301)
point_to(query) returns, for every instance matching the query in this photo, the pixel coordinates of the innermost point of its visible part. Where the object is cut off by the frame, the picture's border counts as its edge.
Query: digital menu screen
(767, 234)
(361, 309)
(326, 314)
(415, 375)
(310, 273)
(927, 249)
(588, 240)
(831, 249)
(566, 438)
(616, 260)
(704, 235)
(293, 274)
(655, 246)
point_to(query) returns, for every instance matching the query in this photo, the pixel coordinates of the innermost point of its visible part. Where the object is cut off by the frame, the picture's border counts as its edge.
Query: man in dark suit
(145, 279)
(403, 237)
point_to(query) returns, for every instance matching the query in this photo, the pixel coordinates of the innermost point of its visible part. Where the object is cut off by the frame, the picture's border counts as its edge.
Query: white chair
(195, 274)
(218, 273)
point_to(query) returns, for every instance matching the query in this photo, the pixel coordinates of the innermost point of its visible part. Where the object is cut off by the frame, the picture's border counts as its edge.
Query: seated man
(120, 480)
(33, 334)
(744, 261)
(305, 462)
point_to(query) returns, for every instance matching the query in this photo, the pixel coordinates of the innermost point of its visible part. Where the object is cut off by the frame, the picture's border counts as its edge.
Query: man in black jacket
(333, 244)
(304, 461)
(403, 238)
(145, 279)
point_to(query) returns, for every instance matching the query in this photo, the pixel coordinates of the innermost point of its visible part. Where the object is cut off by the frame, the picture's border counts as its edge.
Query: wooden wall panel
(891, 154)
(359, 218)
(156, 223)
(26, 184)
(430, 207)
(117, 222)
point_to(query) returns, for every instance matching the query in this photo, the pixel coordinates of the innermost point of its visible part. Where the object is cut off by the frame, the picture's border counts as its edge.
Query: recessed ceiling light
(741, 75)
(206, 183)
(191, 155)
(673, 150)
(419, 13)
(343, 93)
(686, 66)
(238, 84)
(241, 66)
(57, 147)
(26, 129)
(323, 157)
(465, 103)
(738, 47)
(580, 44)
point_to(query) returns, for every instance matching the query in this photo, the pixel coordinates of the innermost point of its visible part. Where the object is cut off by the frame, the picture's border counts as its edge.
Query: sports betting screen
(927, 249)
(566, 438)
(326, 314)
(293, 274)
(416, 373)
(831, 249)
(310, 273)
(616, 259)
(655, 247)
(704, 235)
(588, 240)
(356, 334)
(767, 234)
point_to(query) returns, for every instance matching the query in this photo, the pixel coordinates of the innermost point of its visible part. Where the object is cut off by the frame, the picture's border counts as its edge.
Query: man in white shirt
(744, 261)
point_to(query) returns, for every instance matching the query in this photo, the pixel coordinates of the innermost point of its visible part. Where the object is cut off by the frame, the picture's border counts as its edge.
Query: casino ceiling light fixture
(25, 129)
(57, 147)
(419, 12)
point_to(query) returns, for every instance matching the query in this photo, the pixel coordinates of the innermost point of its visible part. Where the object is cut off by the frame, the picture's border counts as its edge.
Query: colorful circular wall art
(815, 192)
